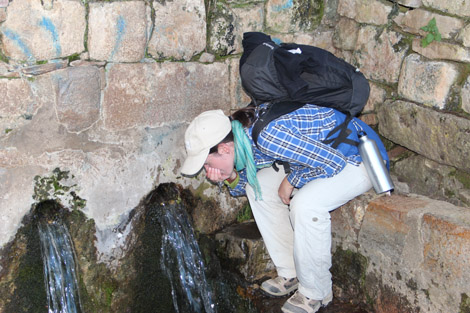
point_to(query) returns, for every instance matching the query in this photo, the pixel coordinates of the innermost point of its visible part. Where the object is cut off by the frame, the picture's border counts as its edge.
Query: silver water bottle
(375, 165)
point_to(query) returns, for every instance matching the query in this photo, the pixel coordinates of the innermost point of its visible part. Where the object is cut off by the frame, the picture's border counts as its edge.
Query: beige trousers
(298, 236)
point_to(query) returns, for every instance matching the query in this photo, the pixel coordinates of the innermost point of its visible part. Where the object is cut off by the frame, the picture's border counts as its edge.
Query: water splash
(59, 268)
(182, 261)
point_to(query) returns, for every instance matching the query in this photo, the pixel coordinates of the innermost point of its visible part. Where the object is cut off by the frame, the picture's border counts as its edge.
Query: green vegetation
(245, 213)
(433, 33)
(464, 304)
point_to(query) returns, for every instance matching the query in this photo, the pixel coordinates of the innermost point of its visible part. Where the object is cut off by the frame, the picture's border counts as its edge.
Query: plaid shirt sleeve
(239, 189)
(296, 139)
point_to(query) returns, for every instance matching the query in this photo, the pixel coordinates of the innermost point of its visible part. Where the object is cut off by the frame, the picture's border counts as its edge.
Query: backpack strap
(274, 111)
(344, 132)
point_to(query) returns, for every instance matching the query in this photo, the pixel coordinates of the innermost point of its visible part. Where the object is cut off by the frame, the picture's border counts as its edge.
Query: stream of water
(59, 268)
(183, 263)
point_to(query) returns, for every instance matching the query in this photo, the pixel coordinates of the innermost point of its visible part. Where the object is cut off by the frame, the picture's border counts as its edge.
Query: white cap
(205, 131)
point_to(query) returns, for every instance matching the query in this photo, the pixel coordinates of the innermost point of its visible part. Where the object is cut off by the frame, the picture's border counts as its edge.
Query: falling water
(180, 250)
(59, 268)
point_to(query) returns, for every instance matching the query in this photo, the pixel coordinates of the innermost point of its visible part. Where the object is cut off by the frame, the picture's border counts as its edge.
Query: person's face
(223, 161)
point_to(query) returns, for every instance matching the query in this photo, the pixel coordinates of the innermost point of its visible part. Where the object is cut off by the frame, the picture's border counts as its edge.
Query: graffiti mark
(287, 5)
(20, 43)
(49, 26)
(277, 40)
(120, 31)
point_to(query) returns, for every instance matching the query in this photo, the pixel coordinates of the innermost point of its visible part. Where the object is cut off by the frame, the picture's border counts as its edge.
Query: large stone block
(365, 11)
(439, 136)
(223, 30)
(464, 36)
(229, 25)
(410, 3)
(17, 98)
(151, 94)
(429, 178)
(380, 54)
(180, 29)
(426, 82)
(36, 30)
(248, 19)
(445, 235)
(242, 245)
(118, 31)
(418, 248)
(442, 51)
(78, 96)
(346, 33)
(413, 20)
(456, 7)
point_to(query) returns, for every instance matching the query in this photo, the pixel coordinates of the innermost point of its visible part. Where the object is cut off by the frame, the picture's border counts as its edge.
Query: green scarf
(244, 156)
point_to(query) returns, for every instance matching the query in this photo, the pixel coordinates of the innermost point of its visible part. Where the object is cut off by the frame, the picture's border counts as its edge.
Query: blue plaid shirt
(296, 138)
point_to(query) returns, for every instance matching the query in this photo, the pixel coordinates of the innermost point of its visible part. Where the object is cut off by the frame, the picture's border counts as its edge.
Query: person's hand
(285, 191)
(215, 175)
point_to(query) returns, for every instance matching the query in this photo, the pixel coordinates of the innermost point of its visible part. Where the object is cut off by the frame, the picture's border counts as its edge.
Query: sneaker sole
(279, 295)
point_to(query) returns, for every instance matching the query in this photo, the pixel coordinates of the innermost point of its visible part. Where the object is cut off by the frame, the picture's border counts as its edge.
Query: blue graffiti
(278, 8)
(16, 38)
(49, 26)
(120, 31)
(277, 40)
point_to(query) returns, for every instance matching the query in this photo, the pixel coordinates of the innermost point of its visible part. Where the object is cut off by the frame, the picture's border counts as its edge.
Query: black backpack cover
(291, 75)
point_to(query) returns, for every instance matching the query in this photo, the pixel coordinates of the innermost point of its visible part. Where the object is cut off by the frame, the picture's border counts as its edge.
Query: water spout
(59, 267)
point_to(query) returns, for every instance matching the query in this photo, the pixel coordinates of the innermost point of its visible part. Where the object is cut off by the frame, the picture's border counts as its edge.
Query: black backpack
(290, 75)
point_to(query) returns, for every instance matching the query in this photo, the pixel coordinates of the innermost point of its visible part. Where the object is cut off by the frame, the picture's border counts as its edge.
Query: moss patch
(464, 304)
(22, 278)
(349, 272)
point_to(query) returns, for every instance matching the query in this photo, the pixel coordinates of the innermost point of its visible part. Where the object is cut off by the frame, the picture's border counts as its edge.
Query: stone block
(247, 19)
(118, 31)
(385, 227)
(17, 98)
(466, 96)
(321, 39)
(290, 16)
(439, 136)
(464, 36)
(413, 20)
(411, 3)
(243, 246)
(426, 82)
(78, 96)
(153, 94)
(346, 33)
(346, 221)
(239, 98)
(180, 29)
(35, 70)
(429, 178)
(223, 30)
(380, 54)
(442, 51)
(365, 11)
(33, 31)
(376, 97)
(455, 7)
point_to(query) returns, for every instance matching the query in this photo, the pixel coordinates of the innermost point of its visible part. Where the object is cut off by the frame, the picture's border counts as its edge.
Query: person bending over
(291, 210)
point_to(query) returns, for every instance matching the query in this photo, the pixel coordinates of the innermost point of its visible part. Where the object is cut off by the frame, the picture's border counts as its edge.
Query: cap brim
(193, 164)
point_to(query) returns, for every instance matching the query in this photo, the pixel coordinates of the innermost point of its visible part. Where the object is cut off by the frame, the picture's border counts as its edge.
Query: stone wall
(97, 95)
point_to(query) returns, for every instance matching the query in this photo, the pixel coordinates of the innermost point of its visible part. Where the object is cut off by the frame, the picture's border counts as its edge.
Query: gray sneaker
(280, 286)
(299, 303)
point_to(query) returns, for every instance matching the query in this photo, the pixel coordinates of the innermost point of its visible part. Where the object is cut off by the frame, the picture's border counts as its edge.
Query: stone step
(412, 251)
